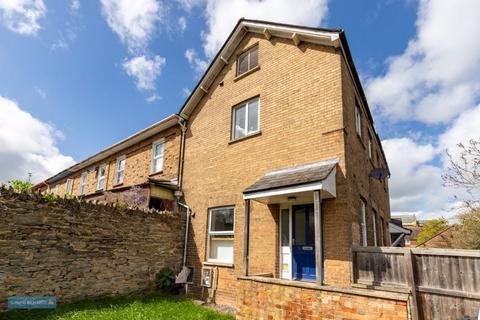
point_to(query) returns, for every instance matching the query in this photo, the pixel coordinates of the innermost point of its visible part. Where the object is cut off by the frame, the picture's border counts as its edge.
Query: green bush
(21, 186)
(50, 197)
(165, 280)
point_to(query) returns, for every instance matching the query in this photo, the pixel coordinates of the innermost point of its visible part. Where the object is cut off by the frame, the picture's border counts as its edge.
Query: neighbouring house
(442, 239)
(145, 163)
(398, 234)
(409, 222)
(274, 153)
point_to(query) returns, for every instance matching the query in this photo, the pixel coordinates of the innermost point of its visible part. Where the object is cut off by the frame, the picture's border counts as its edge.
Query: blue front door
(303, 243)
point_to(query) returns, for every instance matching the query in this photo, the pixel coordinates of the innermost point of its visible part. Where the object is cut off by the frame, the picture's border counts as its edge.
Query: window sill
(218, 264)
(248, 136)
(117, 185)
(155, 173)
(246, 73)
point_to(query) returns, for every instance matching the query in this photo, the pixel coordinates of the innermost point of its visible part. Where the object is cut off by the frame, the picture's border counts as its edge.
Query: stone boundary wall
(276, 299)
(77, 250)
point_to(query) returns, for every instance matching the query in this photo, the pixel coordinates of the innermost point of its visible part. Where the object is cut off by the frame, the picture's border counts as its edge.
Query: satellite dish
(379, 173)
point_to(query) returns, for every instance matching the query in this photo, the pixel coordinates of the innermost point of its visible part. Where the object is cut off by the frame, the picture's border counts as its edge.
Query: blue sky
(85, 74)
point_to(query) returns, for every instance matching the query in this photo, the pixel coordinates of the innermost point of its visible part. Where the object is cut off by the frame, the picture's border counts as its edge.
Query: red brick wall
(258, 300)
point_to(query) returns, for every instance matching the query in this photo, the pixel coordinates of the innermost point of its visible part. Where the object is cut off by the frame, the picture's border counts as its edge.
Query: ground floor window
(220, 234)
(363, 223)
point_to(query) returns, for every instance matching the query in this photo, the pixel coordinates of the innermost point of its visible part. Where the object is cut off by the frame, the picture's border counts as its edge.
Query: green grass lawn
(151, 307)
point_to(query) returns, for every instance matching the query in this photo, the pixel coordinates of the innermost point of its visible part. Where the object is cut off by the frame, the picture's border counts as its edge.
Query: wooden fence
(444, 283)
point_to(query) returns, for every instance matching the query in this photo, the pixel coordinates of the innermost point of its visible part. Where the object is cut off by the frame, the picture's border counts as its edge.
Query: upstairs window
(102, 171)
(69, 188)
(220, 234)
(157, 156)
(358, 120)
(246, 119)
(83, 184)
(247, 61)
(120, 170)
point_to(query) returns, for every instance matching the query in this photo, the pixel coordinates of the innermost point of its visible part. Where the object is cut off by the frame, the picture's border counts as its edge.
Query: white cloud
(182, 23)
(438, 75)
(154, 97)
(188, 5)
(74, 6)
(144, 70)
(59, 44)
(41, 93)
(416, 183)
(186, 92)
(22, 16)
(27, 145)
(223, 15)
(196, 63)
(133, 21)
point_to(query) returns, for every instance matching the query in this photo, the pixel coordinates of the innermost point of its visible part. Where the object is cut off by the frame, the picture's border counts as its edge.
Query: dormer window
(247, 61)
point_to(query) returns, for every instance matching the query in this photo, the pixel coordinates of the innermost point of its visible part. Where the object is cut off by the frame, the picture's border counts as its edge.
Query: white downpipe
(187, 224)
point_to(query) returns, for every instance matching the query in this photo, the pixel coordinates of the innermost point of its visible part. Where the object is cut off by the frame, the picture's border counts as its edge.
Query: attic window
(247, 61)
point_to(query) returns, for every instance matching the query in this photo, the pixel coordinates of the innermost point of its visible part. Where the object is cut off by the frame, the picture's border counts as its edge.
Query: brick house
(147, 160)
(274, 153)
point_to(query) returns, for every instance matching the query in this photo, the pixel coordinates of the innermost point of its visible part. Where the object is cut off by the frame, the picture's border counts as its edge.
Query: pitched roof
(143, 134)
(406, 218)
(324, 36)
(294, 176)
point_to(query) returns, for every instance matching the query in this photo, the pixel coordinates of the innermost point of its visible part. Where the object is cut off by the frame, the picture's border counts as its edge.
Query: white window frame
(363, 222)
(69, 186)
(153, 169)
(83, 184)
(220, 233)
(248, 54)
(104, 177)
(374, 226)
(56, 191)
(245, 105)
(118, 171)
(358, 120)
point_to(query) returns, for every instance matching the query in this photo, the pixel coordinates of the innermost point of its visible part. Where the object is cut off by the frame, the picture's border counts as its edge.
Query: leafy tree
(463, 172)
(20, 185)
(467, 234)
(431, 228)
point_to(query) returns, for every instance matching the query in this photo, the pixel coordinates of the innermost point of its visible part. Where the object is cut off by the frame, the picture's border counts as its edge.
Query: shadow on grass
(158, 306)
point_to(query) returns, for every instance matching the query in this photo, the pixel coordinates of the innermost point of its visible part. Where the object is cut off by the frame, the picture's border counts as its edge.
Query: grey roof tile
(298, 175)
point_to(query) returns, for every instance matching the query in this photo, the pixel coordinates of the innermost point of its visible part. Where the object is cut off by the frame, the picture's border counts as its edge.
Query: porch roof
(312, 176)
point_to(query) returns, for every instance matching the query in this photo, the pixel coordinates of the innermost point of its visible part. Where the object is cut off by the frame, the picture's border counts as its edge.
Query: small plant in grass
(165, 280)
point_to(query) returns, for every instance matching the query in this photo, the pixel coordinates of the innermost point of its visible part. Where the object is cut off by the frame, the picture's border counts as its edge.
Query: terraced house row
(274, 154)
